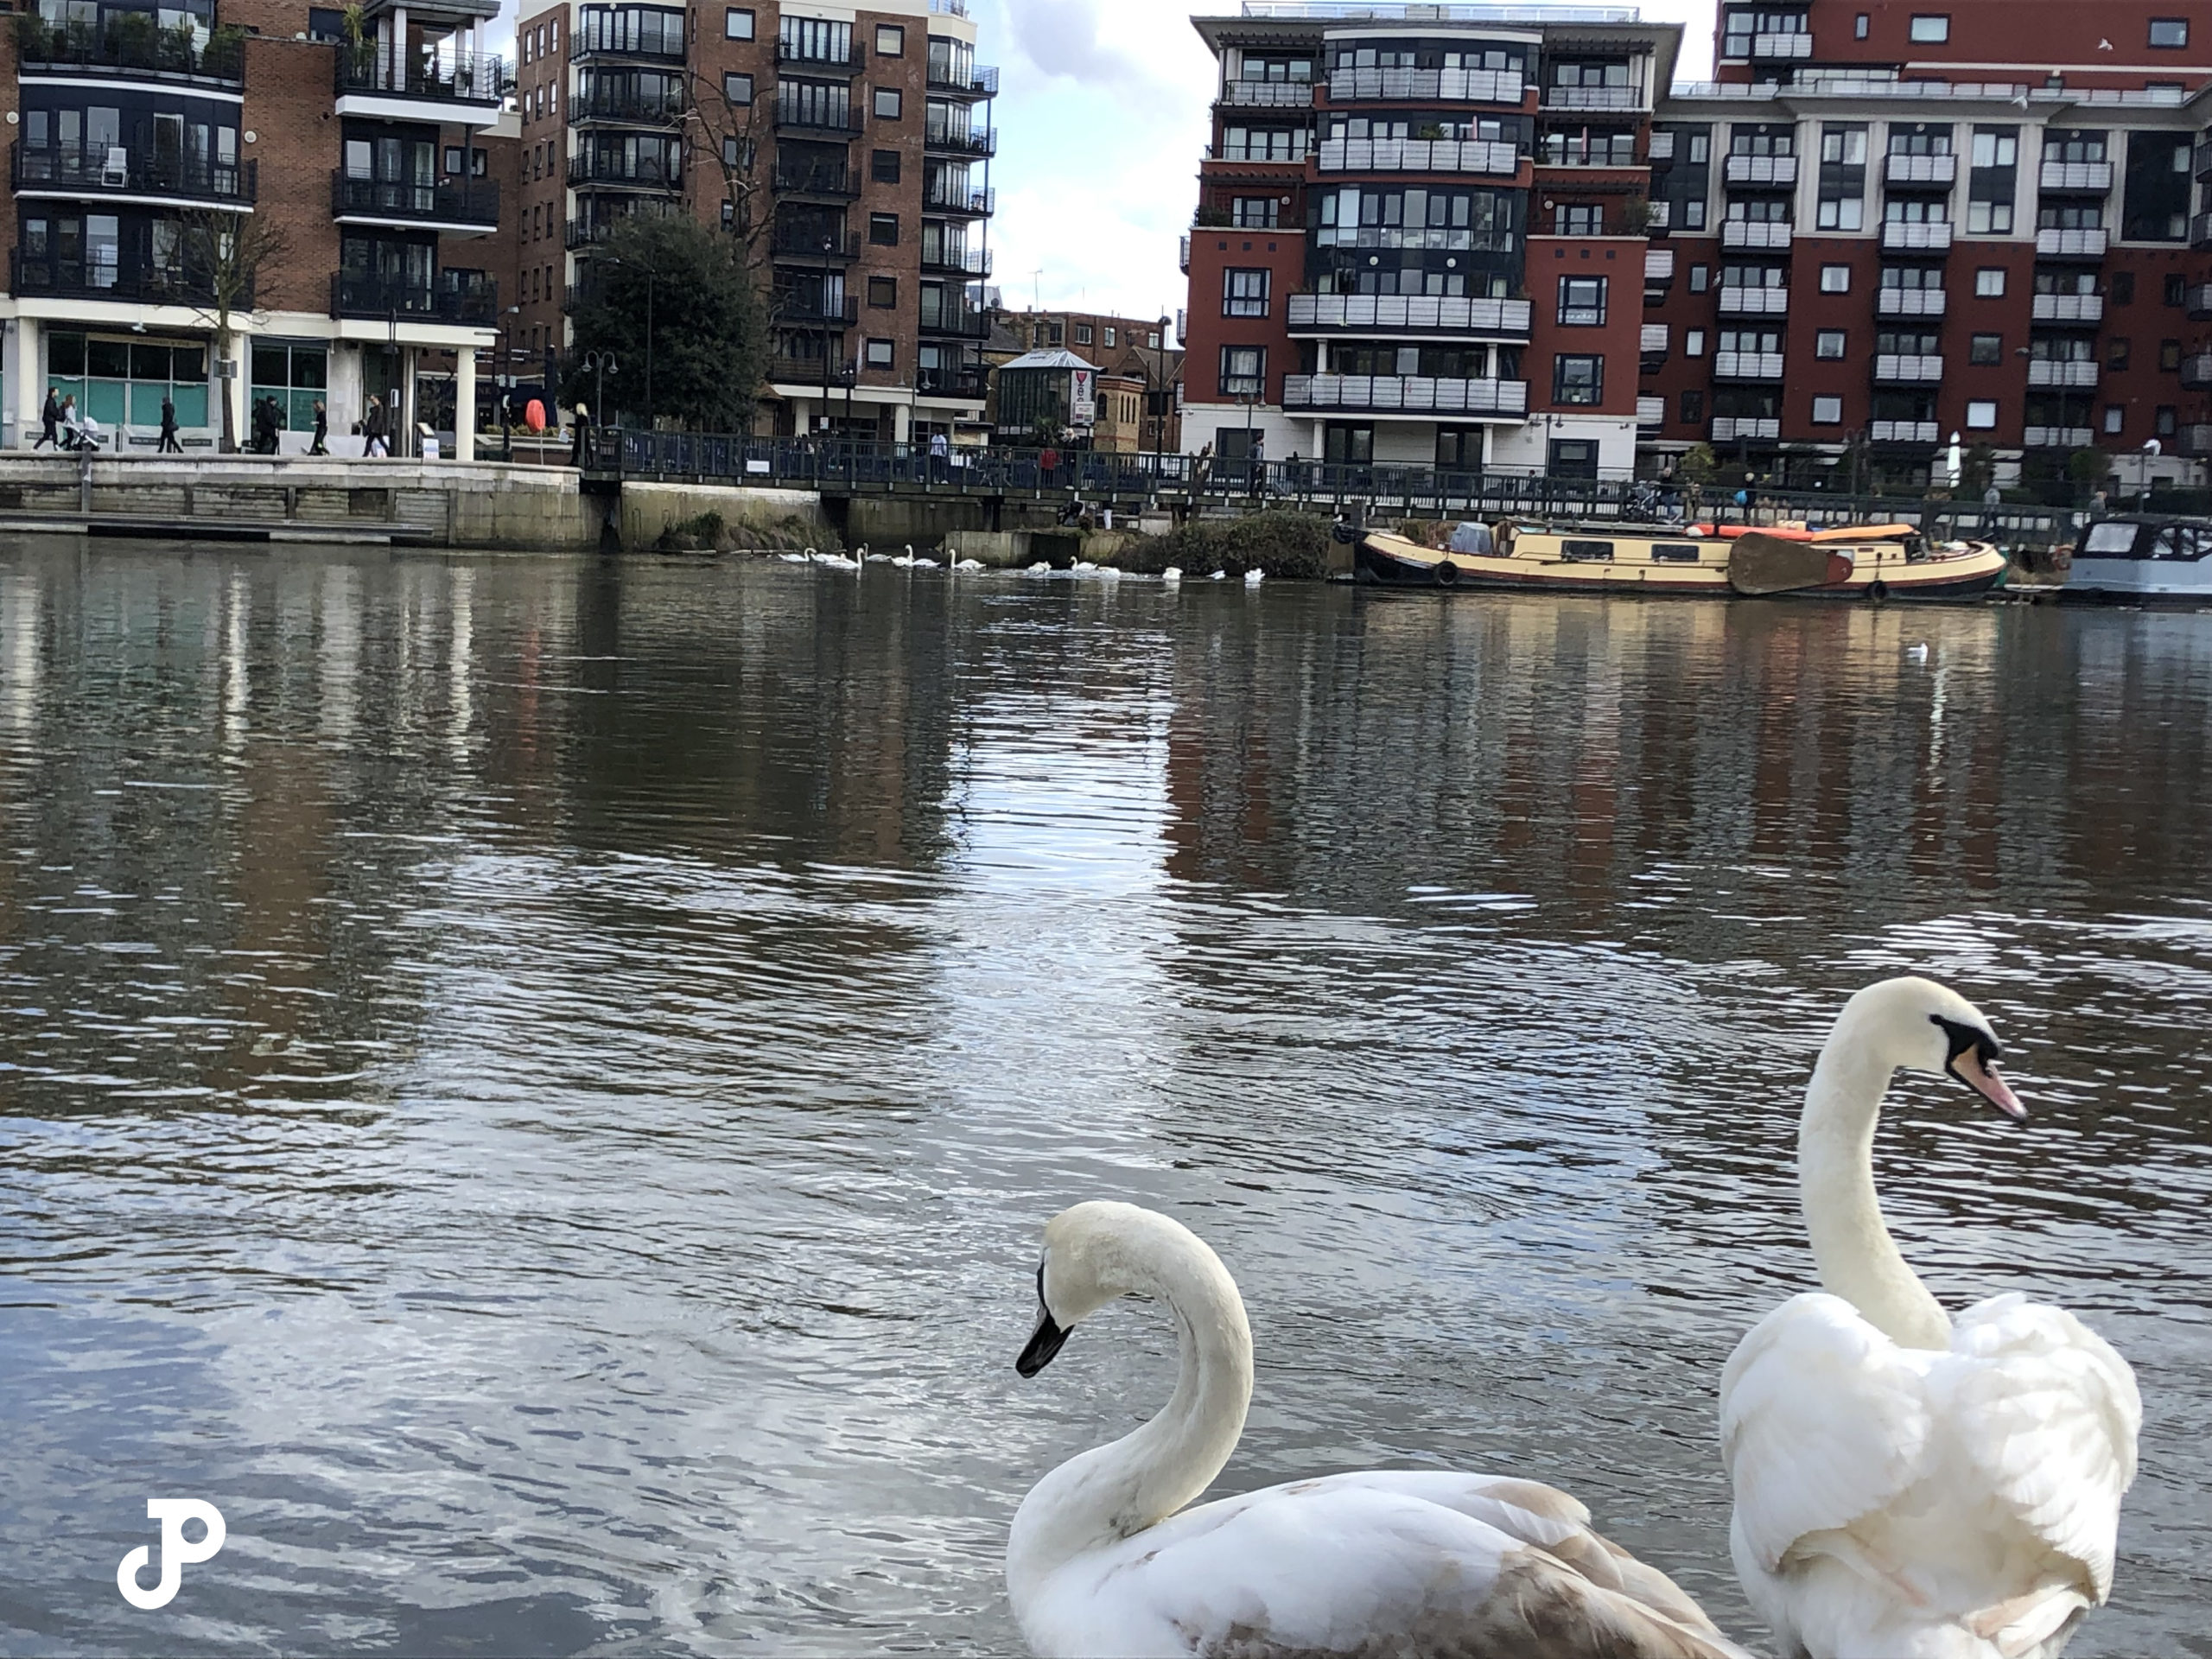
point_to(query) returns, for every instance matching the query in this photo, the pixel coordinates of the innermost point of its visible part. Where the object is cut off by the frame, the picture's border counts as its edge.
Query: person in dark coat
(50, 419)
(321, 445)
(168, 445)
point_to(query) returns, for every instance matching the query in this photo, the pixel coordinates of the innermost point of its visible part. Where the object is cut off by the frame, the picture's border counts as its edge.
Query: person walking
(321, 444)
(583, 436)
(168, 445)
(373, 431)
(49, 418)
(71, 437)
(940, 457)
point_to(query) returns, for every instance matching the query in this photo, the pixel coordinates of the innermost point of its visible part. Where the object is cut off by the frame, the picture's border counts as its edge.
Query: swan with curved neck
(1104, 1559)
(1906, 1484)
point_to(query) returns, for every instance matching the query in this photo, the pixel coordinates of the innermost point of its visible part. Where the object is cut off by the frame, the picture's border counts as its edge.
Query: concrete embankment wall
(649, 509)
(447, 504)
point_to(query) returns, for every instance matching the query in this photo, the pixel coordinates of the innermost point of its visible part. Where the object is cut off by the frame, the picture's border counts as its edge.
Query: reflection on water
(534, 1085)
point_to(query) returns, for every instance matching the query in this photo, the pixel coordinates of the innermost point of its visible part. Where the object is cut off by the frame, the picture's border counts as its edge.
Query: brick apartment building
(851, 145)
(139, 133)
(1495, 235)
(1141, 373)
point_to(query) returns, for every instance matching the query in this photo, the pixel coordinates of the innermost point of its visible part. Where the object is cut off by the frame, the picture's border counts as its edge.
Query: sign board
(1082, 397)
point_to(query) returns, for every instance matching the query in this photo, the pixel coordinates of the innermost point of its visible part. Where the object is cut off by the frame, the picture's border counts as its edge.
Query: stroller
(83, 433)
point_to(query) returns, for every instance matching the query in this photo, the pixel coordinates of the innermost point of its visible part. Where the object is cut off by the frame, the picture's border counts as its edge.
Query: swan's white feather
(1459, 1566)
(1923, 1502)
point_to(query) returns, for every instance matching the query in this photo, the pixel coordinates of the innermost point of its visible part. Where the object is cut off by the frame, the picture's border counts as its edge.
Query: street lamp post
(503, 383)
(822, 305)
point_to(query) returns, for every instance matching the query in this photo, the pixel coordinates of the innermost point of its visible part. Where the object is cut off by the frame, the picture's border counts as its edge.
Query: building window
(1859, 26)
(1828, 343)
(730, 151)
(737, 90)
(293, 375)
(2115, 420)
(890, 40)
(2177, 289)
(1244, 293)
(883, 230)
(1582, 301)
(1981, 416)
(1931, 30)
(1083, 333)
(454, 158)
(1243, 371)
(1692, 342)
(2122, 288)
(883, 293)
(2116, 353)
(1578, 381)
(1112, 339)
(2169, 32)
(479, 163)
(2166, 421)
(2170, 355)
(737, 24)
(1989, 283)
(1692, 408)
(1700, 278)
(1828, 411)
(729, 215)
(1342, 445)
(1985, 350)
(1835, 279)
(883, 167)
(890, 104)
(1577, 219)
(882, 353)
(1460, 448)
(1255, 213)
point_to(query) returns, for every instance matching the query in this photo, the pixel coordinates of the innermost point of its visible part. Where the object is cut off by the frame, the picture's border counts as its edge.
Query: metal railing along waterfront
(842, 467)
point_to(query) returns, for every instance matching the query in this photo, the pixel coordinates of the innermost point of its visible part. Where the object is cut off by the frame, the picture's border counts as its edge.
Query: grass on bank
(711, 533)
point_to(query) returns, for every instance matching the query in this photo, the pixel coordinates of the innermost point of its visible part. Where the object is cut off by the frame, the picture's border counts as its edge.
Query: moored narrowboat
(1715, 561)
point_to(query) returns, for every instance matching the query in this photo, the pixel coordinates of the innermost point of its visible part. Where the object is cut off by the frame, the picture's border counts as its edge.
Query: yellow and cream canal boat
(1718, 561)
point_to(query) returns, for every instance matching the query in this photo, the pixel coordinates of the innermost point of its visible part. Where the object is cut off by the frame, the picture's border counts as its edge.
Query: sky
(1103, 111)
(1103, 114)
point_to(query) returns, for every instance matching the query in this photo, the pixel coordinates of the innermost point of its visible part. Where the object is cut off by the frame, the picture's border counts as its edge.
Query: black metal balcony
(106, 170)
(459, 297)
(804, 243)
(805, 63)
(971, 381)
(978, 82)
(957, 322)
(453, 78)
(834, 180)
(630, 108)
(610, 167)
(793, 311)
(811, 115)
(981, 143)
(80, 279)
(472, 203)
(124, 48)
(956, 262)
(962, 204)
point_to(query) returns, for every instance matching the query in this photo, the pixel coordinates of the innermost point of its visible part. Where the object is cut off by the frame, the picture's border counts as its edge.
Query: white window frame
(1828, 411)
(737, 23)
(1929, 28)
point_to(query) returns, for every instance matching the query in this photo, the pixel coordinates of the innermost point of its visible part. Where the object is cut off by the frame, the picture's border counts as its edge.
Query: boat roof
(2198, 519)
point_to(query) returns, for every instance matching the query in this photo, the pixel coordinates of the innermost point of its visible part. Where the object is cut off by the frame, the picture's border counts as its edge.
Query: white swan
(806, 557)
(1389, 1562)
(1173, 575)
(1042, 568)
(1905, 1487)
(1254, 578)
(968, 565)
(836, 561)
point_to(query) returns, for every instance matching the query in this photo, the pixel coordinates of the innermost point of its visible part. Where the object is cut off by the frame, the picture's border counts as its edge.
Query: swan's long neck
(1859, 1261)
(1110, 1493)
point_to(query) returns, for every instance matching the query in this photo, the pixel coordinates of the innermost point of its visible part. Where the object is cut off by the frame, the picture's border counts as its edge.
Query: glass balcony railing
(110, 169)
(471, 202)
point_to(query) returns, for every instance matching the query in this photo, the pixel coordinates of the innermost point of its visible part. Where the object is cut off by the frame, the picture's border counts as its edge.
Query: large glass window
(121, 382)
(295, 375)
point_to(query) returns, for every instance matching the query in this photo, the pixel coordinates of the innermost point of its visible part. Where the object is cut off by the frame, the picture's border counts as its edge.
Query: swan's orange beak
(1980, 1076)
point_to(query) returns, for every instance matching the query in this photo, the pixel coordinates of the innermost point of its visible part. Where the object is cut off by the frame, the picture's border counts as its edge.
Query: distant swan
(1906, 1486)
(1172, 575)
(968, 565)
(1254, 578)
(1099, 1562)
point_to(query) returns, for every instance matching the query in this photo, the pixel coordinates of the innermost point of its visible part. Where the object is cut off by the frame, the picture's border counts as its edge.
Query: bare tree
(729, 135)
(225, 255)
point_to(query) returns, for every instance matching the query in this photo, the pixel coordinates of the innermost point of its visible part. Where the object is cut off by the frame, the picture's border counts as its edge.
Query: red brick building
(141, 133)
(1421, 236)
(1893, 220)
(1467, 237)
(851, 145)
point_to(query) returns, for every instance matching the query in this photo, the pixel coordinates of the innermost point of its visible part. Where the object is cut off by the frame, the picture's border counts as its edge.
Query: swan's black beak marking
(1973, 1061)
(1046, 1343)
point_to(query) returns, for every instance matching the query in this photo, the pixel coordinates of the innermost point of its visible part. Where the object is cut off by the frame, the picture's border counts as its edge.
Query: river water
(534, 1085)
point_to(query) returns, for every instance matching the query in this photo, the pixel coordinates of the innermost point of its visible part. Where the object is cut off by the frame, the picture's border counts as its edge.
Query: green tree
(1977, 467)
(674, 303)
